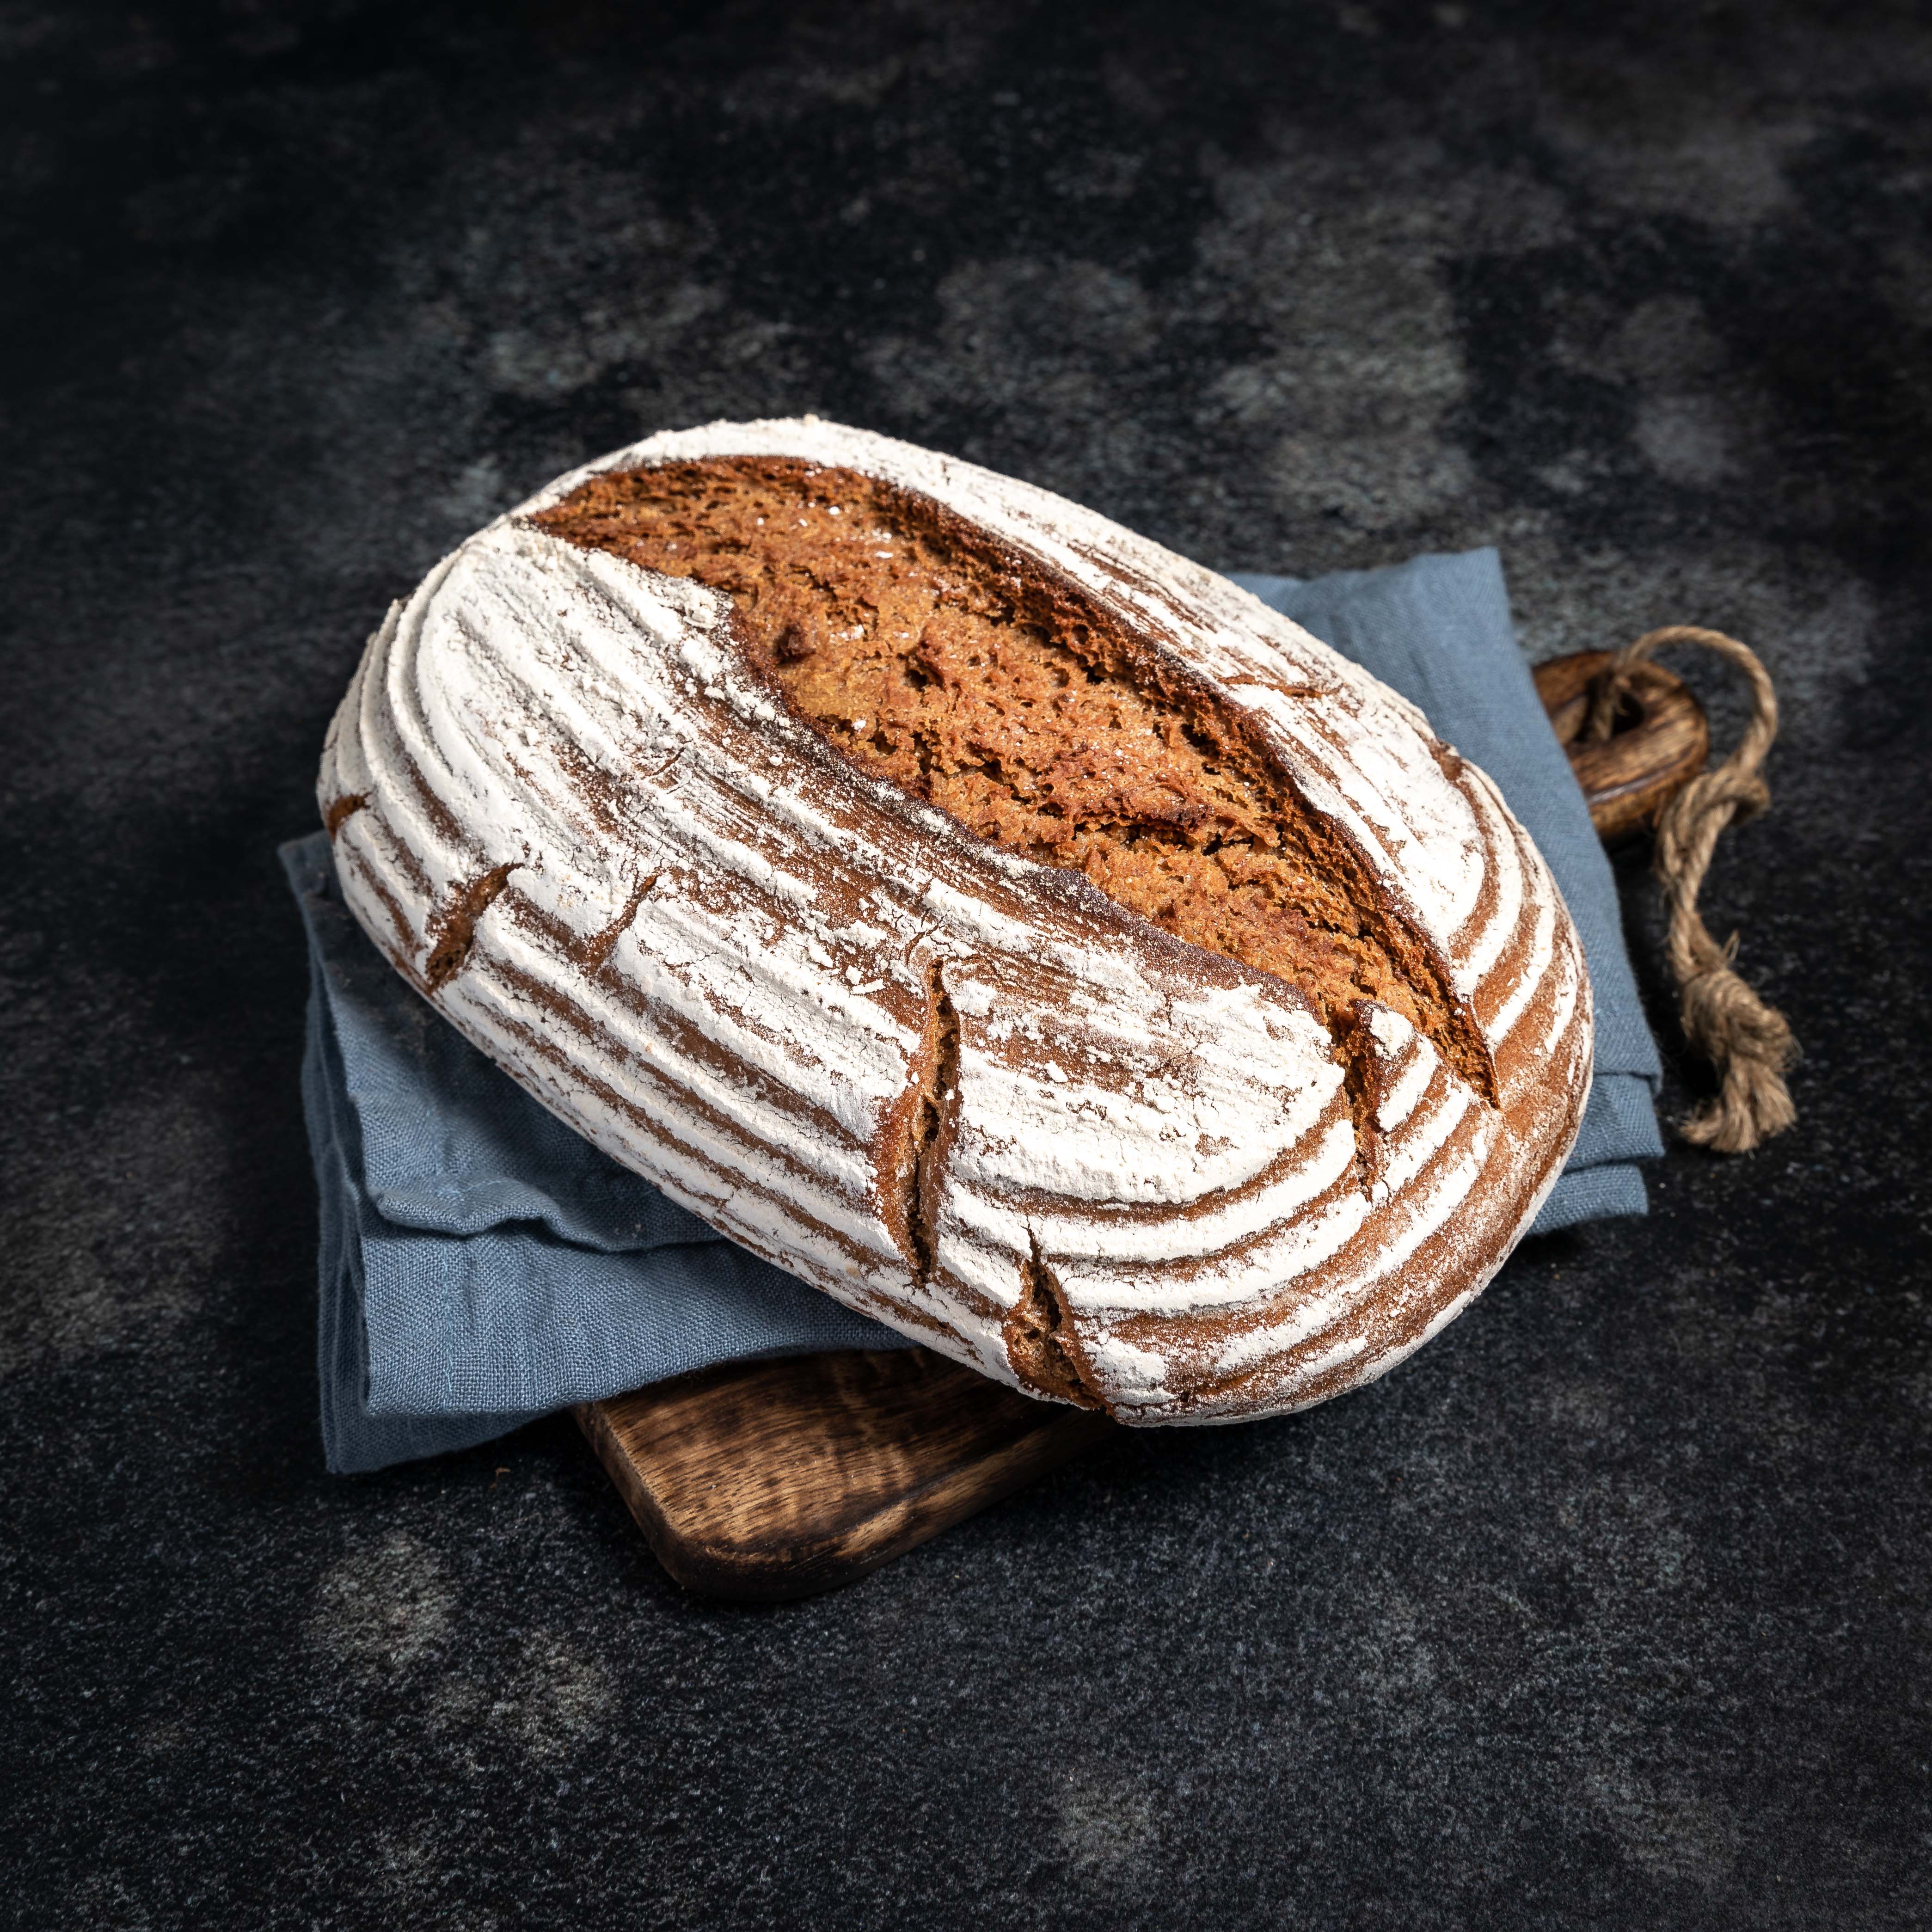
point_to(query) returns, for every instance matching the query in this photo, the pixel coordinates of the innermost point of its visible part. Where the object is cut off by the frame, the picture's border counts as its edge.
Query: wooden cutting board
(1660, 743)
(760, 1481)
(766, 1479)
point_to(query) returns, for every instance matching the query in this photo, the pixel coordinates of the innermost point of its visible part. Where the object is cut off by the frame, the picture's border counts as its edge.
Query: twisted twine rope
(1749, 1043)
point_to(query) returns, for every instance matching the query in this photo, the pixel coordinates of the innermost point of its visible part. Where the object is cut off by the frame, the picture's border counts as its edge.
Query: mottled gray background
(1609, 1609)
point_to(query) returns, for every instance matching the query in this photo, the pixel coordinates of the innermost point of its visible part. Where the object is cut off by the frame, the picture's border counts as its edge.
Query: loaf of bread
(1016, 932)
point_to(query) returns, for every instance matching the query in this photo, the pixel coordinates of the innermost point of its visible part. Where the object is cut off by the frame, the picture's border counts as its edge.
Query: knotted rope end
(1749, 1043)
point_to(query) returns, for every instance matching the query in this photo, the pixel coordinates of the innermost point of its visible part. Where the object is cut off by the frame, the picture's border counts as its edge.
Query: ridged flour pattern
(571, 814)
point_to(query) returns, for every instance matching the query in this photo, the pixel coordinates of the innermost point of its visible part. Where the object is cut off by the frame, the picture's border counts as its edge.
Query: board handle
(756, 1481)
(1659, 739)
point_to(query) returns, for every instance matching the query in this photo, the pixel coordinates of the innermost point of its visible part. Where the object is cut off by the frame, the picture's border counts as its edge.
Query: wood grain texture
(1661, 741)
(764, 1480)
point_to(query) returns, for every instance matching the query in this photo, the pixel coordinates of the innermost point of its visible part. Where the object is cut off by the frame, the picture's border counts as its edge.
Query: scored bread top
(1015, 931)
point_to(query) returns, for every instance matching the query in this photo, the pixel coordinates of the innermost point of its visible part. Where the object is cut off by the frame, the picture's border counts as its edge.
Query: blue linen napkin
(482, 1264)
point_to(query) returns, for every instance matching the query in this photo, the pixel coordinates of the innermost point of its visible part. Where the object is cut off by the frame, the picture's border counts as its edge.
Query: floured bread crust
(618, 826)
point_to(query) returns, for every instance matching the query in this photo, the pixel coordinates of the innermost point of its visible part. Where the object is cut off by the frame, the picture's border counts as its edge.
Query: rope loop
(1748, 1042)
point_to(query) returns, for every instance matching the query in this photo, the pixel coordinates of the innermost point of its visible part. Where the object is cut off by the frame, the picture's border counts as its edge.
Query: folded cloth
(482, 1264)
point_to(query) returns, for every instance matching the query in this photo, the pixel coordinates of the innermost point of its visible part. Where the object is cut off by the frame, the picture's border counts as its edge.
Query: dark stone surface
(1611, 1608)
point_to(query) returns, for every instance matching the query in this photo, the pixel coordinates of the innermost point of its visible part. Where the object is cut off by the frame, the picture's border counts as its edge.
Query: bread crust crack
(1042, 1344)
(599, 948)
(918, 1133)
(456, 929)
(925, 653)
